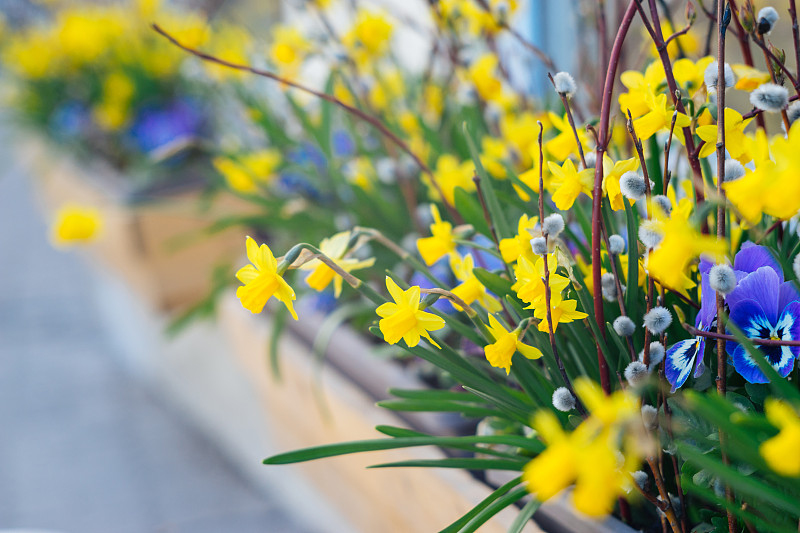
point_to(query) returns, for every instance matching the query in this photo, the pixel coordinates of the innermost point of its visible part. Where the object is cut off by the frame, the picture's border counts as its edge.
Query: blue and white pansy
(762, 305)
(685, 356)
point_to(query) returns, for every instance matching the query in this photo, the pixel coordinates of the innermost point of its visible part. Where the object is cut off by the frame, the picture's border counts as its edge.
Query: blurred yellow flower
(736, 142)
(449, 174)
(335, 248)
(595, 456)
(781, 451)
(440, 243)
(75, 225)
(520, 244)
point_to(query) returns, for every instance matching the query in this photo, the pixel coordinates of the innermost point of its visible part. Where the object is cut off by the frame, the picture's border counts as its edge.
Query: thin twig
(373, 121)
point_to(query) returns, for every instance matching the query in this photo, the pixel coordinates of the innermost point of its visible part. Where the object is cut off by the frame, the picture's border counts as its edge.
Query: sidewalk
(86, 445)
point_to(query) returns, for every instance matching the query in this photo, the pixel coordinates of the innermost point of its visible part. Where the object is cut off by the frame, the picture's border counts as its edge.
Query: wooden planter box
(155, 244)
(311, 405)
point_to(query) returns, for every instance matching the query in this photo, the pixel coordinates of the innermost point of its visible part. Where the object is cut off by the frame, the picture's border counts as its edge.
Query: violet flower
(764, 306)
(760, 283)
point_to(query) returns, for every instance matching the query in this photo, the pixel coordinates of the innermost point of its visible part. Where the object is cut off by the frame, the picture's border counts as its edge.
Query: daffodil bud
(733, 170)
(650, 234)
(767, 17)
(539, 245)
(641, 478)
(711, 76)
(624, 326)
(616, 245)
(636, 374)
(722, 279)
(608, 287)
(656, 354)
(563, 400)
(591, 159)
(770, 97)
(565, 84)
(553, 225)
(663, 203)
(650, 417)
(657, 320)
(793, 111)
(632, 185)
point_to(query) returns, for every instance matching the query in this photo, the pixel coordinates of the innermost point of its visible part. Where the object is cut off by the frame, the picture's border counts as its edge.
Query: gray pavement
(85, 446)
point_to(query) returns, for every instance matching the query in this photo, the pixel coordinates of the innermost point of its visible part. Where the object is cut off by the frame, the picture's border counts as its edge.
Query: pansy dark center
(772, 353)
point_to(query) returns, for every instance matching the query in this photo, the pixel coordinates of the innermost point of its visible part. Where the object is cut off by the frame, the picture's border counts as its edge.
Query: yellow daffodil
(612, 172)
(470, 289)
(369, 37)
(449, 174)
(289, 49)
(483, 75)
(781, 451)
(248, 172)
(530, 279)
(772, 188)
(494, 153)
(334, 248)
(75, 225)
(691, 75)
(440, 243)
(640, 88)
(560, 311)
(563, 145)
(749, 78)
(520, 132)
(658, 118)
(681, 244)
(568, 183)
(403, 319)
(590, 457)
(262, 281)
(736, 142)
(506, 344)
(513, 247)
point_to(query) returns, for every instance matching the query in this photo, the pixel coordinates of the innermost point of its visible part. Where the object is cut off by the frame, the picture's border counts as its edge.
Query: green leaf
(496, 213)
(735, 508)
(494, 508)
(470, 209)
(524, 516)
(475, 511)
(499, 285)
(278, 325)
(465, 463)
(435, 394)
(632, 280)
(345, 448)
(441, 406)
(743, 485)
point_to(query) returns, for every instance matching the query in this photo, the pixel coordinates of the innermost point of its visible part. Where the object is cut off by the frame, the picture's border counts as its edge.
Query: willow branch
(366, 117)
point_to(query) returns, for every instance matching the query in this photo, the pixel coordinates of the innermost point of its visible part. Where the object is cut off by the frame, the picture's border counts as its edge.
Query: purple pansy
(762, 304)
(160, 125)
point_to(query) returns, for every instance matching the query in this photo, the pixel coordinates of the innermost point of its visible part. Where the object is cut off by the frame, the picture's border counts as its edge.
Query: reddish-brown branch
(747, 53)
(654, 29)
(371, 120)
(597, 195)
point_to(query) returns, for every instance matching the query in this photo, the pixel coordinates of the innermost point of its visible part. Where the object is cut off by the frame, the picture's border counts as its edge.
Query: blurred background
(136, 394)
